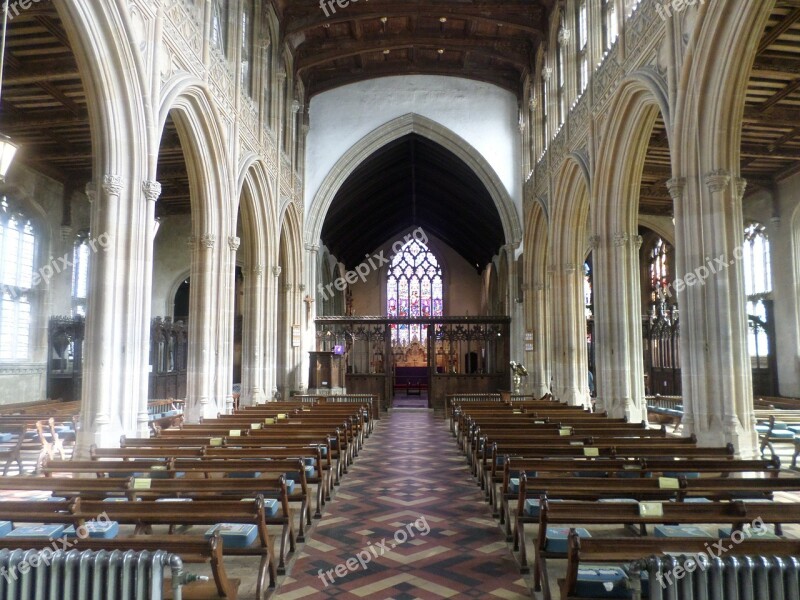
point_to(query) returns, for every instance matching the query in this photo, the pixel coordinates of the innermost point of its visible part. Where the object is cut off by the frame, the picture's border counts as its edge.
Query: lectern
(326, 373)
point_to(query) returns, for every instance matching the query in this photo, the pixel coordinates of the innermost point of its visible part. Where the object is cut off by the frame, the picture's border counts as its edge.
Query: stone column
(618, 326)
(570, 363)
(715, 363)
(253, 364)
(226, 325)
(540, 368)
(117, 321)
(200, 396)
(152, 191)
(308, 325)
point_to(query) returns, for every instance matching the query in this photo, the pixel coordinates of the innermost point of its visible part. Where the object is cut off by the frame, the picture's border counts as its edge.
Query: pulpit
(326, 373)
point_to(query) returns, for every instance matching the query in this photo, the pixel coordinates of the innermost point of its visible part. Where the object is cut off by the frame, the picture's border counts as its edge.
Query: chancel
(525, 272)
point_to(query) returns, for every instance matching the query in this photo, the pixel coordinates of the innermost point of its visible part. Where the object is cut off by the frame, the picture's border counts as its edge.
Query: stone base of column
(575, 397)
(745, 443)
(622, 407)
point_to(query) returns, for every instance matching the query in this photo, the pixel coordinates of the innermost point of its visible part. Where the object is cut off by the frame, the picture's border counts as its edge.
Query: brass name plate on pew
(269, 421)
(538, 423)
(564, 431)
(576, 443)
(669, 483)
(140, 483)
(255, 425)
(591, 451)
(651, 509)
(215, 442)
(283, 416)
(235, 433)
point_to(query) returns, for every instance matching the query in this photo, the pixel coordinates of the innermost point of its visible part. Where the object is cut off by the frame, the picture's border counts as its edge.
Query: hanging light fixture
(7, 148)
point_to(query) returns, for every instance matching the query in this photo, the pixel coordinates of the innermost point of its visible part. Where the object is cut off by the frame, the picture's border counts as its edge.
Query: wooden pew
(191, 549)
(626, 550)
(737, 514)
(149, 512)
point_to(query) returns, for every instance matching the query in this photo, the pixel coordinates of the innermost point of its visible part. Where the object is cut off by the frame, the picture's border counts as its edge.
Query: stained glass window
(17, 251)
(588, 298)
(659, 269)
(413, 289)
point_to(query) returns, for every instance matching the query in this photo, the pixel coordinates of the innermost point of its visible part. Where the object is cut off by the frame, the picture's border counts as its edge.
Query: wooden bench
(149, 512)
(191, 549)
(581, 551)
(737, 514)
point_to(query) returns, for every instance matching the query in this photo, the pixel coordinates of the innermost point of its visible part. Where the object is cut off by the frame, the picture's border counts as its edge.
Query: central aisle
(411, 489)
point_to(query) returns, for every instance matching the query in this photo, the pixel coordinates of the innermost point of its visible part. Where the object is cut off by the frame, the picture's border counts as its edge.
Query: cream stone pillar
(225, 325)
(273, 279)
(540, 370)
(114, 390)
(310, 309)
(715, 364)
(201, 368)
(570, 362)
(619, 378)
(253, 363)
(152, 192)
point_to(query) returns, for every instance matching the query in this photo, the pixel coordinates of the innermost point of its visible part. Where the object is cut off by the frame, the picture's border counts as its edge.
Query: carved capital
(276, 270)
(533, 104)
(718, 180)
(234, 242)
(570, 268)
(741, 186)
(258, 270)
(287, 287)
(91, 191)
(547, 73)
(539, 286)
(112, 185)
(295, 106)
(621, 239)
(302, 287)
(564, 36)
(152, 190)
(594, 242)
(551, 268)
(676, 186)
(66, 233)
(208, 240)
(191, 241)
(638, 241)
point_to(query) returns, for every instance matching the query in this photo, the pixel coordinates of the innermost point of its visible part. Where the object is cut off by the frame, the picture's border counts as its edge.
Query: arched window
(758, 287)
(583, 45)
(658, 262)
(17, 251)
(588, 295)
(545, 108)
(561, 82)
(413, 289)
(80, 278)
(247, 47)
(610, 26)
(219, 25)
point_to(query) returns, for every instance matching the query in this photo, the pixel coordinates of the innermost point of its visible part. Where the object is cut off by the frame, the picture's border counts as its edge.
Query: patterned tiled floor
(411, 511)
